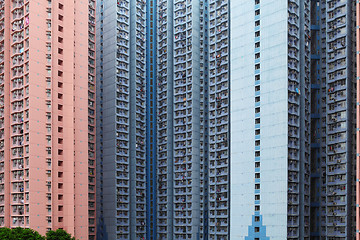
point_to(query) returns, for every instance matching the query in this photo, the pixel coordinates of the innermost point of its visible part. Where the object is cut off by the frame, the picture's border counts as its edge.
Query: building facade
(270, 120)
(333, 120)
(47, 116)
(163, 125)
(121, 125)
(166, 101)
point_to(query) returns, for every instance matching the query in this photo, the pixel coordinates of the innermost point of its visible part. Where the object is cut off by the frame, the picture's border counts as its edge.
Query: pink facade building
(47, 115)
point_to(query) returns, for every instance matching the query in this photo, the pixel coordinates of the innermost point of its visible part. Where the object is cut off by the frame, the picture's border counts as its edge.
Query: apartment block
(222, 119)
(333, 122)
(163, 122)
(121, 125)
(47, 116)
(270, 120)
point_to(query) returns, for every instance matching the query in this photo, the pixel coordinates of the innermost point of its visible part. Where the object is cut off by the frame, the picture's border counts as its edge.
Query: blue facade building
(122, 126)
(270, 120)
(222, 119)
(333, 84)
(163, 119)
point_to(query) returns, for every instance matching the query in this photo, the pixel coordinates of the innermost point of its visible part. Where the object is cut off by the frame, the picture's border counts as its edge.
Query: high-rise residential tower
(270, 119)
(333, 119)
(193, 108)
(330, 132)
(47, 115)
(195, 136)
(163, 105)
(121, 132)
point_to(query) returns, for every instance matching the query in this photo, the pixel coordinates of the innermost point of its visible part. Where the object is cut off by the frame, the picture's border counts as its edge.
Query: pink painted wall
(66, 89)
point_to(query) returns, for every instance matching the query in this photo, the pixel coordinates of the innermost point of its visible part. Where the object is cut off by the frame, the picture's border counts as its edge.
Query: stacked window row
(140, 118)
(122, 122)
(130, 146)
(164, 117)
(338, 95)
(218, 114)
(50, 152)
(257, 122)
(19, 100)
(306, 137)
(91, 120)
(204, 124)
(186, 159)
(298, 115)
(323, 122)
(2, 119)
